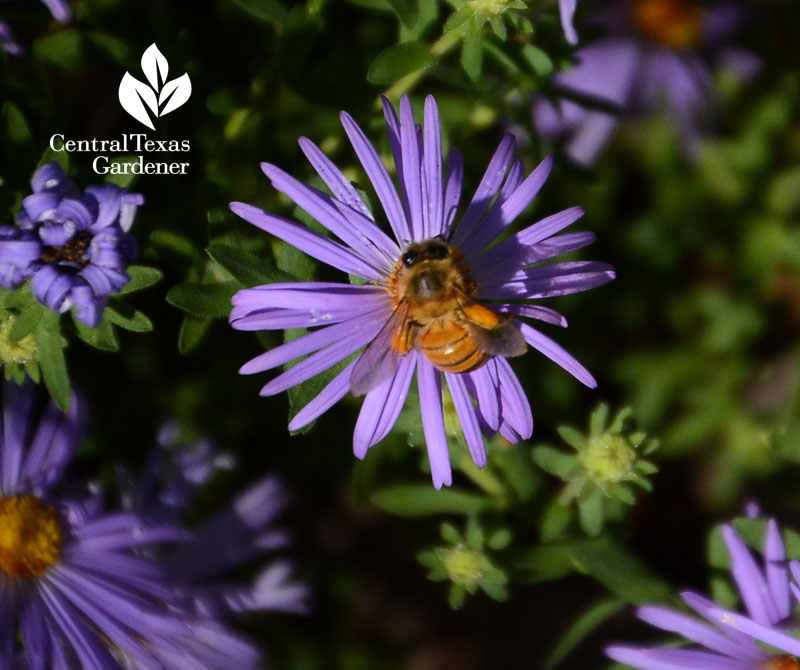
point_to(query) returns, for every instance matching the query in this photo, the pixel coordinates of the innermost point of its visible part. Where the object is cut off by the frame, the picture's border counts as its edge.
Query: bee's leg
(483, 316)
(402, 340)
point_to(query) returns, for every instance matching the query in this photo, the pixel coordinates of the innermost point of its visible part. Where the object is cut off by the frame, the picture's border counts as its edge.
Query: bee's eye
(409, 258)
(438, 251)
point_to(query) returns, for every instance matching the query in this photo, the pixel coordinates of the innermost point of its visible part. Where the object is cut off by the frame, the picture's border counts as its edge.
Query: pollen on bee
(30, 536)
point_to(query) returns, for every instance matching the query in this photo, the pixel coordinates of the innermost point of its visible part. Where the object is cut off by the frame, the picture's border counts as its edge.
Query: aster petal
(552, 280)
(749, 579)
(429, 384)
(354, 229)
(107, 200)
(379, 177)
(496, 221)
(411, 156)
(467, 417)
(775, 568)
(51, 177)
(534, 312)
(7, 621)
(90, 651)
(556, 353)
(36, 641)
(59, 9)
(515, 407)
(486, 389)
(333, 392)
(307, 241)
(382, 406)
(308, 343)
(432, 171)
(487, 188)
(17, 405)
(51, 288)
(39, 205)
(452, 190)
(339, 185)
(303, 305)
(526, 244)
(674, 659)
(320, 361)
(693, 630)
(566, 10)
(8, 40)
(591, 136)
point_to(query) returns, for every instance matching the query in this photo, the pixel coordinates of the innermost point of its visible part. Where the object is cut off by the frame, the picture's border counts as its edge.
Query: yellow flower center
(670, 23)
(16, 352)
(608, 458)
(465, 566)
(781, 663)
(30, 536)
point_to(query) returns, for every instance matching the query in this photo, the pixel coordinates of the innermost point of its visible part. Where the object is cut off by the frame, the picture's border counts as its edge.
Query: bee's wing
(493, 333)
(378, 362)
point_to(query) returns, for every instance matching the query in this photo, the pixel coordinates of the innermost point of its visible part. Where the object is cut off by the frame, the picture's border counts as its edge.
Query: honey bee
(435, 311)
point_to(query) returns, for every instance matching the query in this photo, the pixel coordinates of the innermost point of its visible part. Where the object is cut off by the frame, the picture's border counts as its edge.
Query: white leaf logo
(160, 96)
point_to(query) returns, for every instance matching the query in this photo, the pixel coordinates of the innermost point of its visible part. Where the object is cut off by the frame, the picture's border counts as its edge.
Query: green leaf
(518, 471)
(205, 300)
(457, 18)
(296, 263)
(127, 317)
(27, 321)
(398, 61)
(412, 500)
(406, 10)
(620, 572)
(191, 334)
(591, 618)
(51, 156)
(64, 48)
(18, 139)
(265, 10)
(555, 520)
(52, 362)
(250, 270)
(141, 277)
(590, 512)
(103, 337)
(125, 177)
(538, 60)
(554, 461)
(472, 51)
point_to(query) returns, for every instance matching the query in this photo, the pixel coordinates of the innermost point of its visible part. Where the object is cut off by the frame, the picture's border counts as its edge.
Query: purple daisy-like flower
(240, 534)
(73, 247)
(757, 640)
(73, 593)
(59, 10)
(395, 317)
(655, 53)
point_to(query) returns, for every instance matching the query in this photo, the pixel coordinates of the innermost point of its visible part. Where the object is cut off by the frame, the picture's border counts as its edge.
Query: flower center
(782, 663)
(608, 458)
(670, 23)
(74, 251)
(465, 566)
(30, 536)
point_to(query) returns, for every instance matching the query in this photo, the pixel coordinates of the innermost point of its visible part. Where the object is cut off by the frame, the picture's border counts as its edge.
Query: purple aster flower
(440, 299)
(730, 640)
(60, 11)
(655, 53)
(74, 594)
(240, 534)
(74, 247)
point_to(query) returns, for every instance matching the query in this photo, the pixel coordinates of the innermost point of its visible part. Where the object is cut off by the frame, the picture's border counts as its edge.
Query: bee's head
(435, 249)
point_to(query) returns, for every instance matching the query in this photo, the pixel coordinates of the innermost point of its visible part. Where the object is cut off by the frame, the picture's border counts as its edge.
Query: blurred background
(698, 335)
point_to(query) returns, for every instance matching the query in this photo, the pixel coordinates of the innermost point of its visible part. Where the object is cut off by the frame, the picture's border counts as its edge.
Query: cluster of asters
(72, 246)
(98, 588)
(650, 54)
(763, 638)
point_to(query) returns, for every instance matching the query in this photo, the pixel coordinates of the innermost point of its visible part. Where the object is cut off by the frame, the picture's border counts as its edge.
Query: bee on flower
(441, 300)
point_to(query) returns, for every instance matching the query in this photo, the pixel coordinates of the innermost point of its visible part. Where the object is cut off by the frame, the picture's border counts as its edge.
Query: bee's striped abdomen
(450, 348)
